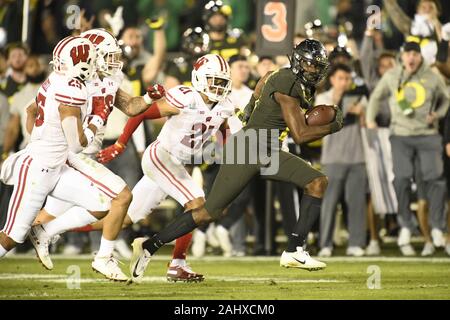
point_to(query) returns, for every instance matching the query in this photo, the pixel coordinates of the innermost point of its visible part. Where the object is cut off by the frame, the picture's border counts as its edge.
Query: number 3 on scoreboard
(277, 30)
(40, 102)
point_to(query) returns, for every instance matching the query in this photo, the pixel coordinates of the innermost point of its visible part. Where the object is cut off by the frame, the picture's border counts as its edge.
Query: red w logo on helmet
(199, 63)
(79, 54)
(95, 38)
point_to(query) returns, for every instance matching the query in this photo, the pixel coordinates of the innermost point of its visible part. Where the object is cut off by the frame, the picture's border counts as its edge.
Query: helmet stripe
(220, 61)
(224, 63)
(63, 45)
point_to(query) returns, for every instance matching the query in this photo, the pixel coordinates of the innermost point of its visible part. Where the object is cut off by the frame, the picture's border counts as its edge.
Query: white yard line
(61, 278)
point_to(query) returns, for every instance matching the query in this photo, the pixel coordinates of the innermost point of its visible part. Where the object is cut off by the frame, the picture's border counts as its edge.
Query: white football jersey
(100, 92)
(48, 144)
(184, 134)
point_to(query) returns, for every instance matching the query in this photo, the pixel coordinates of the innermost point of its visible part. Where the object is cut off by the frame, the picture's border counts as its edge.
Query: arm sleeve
(151, 113)
(73, 94)
(368, 63)
(381, 92)
(442, 98)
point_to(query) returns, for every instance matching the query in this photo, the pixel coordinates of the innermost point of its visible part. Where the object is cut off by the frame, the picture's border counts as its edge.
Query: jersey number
(101, 101)
(201, 133)
(40, 102)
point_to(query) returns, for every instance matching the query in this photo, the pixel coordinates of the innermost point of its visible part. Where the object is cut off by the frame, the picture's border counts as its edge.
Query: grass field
(238, 278)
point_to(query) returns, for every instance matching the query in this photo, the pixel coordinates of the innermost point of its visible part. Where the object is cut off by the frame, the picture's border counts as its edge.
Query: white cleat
(109, 267)
(300, 259)
(428, 250)
(41, 241)
(223, 235)
(198, 243)
(122, 248)
(355, 251)
(447, 249)
(438, 238)
(407, 250)
(139, 260)
(373, 249)
(325, 252)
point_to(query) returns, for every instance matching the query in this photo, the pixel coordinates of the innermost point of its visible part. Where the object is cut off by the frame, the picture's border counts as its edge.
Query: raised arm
(295, 120)
(158, 109)
(400, 19)
(153, 65)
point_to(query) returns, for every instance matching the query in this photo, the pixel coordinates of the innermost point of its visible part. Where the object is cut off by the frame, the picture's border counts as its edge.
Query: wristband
(97, 121)
(147, 99)
(89, 135)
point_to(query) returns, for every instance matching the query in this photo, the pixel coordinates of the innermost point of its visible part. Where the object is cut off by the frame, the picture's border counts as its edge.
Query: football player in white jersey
(88, 182)
(195, 114)
(61, 105)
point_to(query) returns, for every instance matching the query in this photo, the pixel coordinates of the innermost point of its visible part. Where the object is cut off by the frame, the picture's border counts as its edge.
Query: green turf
(231, 279)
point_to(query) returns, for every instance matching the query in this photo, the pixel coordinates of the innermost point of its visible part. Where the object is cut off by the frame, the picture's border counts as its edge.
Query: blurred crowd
(388, 169)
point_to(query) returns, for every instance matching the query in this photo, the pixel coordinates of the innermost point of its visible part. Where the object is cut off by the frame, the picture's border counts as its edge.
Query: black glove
(338, 122)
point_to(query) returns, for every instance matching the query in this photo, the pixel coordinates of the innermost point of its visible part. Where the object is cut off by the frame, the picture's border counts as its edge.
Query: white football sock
(178, 262)
(106, 248)
(3, 251)
(75, 217)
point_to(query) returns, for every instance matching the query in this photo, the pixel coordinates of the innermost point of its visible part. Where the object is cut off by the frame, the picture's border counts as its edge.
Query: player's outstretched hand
(110, 153)
(338, 122)
(154, 92)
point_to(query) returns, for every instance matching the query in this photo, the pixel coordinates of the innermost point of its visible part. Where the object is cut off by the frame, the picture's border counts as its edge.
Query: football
(320, 115)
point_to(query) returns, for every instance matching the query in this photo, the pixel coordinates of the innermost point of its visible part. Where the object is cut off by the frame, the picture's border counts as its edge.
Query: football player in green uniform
(274, 111)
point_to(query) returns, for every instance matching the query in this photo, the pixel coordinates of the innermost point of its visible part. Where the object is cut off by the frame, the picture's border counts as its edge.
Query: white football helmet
(74, 57)
(211, 76)
(108, 51)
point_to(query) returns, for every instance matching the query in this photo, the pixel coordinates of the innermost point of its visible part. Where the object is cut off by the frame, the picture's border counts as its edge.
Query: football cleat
(300, 259)
(184, 274)
(41, 241)
(139, 260)
(325, 252)
(109, 267)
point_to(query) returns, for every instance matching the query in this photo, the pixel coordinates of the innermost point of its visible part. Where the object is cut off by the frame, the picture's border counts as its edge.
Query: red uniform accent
(181, 246)
(151, 113)
(86, 228)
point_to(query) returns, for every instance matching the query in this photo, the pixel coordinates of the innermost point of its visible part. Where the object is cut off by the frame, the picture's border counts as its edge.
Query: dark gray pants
(427, 150)
(350, 180)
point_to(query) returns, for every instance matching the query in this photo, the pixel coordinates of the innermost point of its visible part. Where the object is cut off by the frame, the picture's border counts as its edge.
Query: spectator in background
(195, 43)
(3, 67)
(170, 11)
(425, 26)
(447, 175)
(375, 62)
(418, 98)
(141, 66)
(343, 163)
(5, 191)
(16, 57)
(16, 128)
(224, 41)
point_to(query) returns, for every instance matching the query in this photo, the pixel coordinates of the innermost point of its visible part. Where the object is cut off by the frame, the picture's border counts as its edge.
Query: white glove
(446, 31)
(421, 26)
(116, 21)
